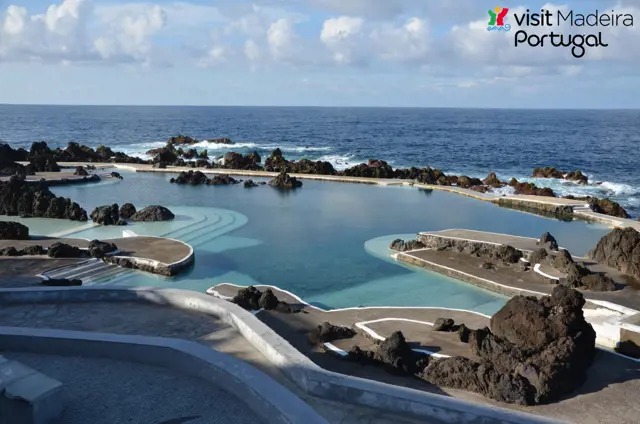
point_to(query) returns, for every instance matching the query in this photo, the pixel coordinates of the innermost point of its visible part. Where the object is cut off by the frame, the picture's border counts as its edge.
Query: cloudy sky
(427, 53)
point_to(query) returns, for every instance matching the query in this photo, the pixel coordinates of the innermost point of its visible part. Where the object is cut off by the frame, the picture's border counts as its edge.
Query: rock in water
(153, 213)
(80, 171)
(536, 351)
(619, 249)
(284, 181)
(404, 246)
(328, 332)
(106, 215)
(250, 184)
(127, 211)
(99, 249)
(63, 250)
(13, 231)
(493, 181)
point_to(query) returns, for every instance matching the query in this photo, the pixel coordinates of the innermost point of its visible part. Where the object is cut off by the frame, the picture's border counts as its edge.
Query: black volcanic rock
(127, 211)
(99, 249)
(373, 169)
(18, 197)
(13, 231)
(190, 177)
(284, 181)
(537, 351)
(548, 240)
(153, 213)
(250, 184)
(530, 189)
(493, 181)
(80, 171)
(444, 324)
(182, 139)
(252, 299)
(277, 163)
(222, 180)
(234, 160)
(619, 249)
(63, 250)
(327, 332)
(106, 215)
(404, 246)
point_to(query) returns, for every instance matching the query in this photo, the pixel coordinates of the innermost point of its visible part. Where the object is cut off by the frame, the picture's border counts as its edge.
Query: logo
(496, 19)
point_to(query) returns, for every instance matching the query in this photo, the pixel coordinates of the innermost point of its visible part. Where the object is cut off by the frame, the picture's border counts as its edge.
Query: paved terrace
(114, 392)
(606, 397)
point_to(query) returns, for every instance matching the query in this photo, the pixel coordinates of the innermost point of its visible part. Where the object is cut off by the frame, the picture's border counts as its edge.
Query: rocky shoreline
(178, 152)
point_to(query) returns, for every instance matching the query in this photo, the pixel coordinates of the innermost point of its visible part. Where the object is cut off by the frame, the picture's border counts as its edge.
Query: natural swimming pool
(326, 242)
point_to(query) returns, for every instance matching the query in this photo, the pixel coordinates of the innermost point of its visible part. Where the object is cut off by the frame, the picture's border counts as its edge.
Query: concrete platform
(166, 256)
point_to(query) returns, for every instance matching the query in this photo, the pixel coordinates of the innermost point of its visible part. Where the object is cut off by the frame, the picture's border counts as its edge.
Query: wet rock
(466, 182)
(404, 246)
(268, 300)
(493, 181)
(99, 249)
(284, 181)
(250, 184)
(577, 176)
(190, 154)
(327, 333)
(13, 231)
(222, 180)
(252, 299)
(106, 215)
(608, 207)
(444, 324)
(61, 282)
(80, 171)
(234, 160)
(619, 249)
(63, 250)
(182, 139)
(276, 162)
(190, 177)
(536, 351)
(530, 189)
(152, 214)
(127, 211)
(116, 175)
(221, 141)
(166, 155)
(18, 197)
(373, 169)
(479, 188)
(547, 173)
(548, 240)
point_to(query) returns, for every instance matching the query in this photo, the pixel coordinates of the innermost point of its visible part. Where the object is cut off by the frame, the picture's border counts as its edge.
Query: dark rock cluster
(64, 250)
(250, 161)
(505, 254)
(197, 178)
(277, 163)
(603, 206)
(250, 184)
(81, 171)
(106, 215)
(493, 181)
(327, 332)
(285, 182)
(548, 240)
(61, 282)
(619, 249)
(100, 249)
(404, 246)
(23, 199)
(27, 251)
(127, 211)
(252, 299)
(153, 213)
(548, 172)
(530, 189)
(394, 354)
(13, 231)
(536, 351)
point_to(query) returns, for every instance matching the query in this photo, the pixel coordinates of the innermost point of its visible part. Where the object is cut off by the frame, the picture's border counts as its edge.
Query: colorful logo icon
(496, 19)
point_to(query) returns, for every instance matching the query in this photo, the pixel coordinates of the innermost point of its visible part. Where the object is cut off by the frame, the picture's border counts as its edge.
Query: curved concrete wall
(309, 377)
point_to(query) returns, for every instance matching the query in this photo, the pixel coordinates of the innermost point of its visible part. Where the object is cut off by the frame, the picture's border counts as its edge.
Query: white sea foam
(339, 162)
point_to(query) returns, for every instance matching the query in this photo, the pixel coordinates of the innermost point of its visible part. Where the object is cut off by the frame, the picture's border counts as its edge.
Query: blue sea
(603, 144)
(328, 242)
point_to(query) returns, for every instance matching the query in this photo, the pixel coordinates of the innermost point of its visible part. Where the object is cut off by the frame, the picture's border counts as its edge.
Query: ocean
(602, 144)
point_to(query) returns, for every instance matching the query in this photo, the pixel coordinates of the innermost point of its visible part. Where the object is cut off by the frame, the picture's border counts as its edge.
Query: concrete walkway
(103, 391)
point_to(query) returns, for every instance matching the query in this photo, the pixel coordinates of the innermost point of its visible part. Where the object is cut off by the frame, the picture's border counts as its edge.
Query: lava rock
(63, 250)
(61, 282)
(268, 301)
(463, 333)
(182, 139)
(444, 324)
(530, 189)
(404, 246)
(152, 214)
(99, 249)
(127, 211)
(80, 171)
(10, 251)
(327, 333)
(190, 177)
(598, 282)
(506, 254)
(222, 180)
(116, 175)
(250, 184)
(608, 207)
(493, 181)
(10, 230)
(234, 160)
(548, 240)
(466, 182)
(284, 181)
(106, 215)
(563, 260)
(538, 256)
(396, 355)
(35, 250)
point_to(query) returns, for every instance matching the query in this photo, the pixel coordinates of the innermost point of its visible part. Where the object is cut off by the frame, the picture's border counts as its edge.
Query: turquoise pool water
(327, 242)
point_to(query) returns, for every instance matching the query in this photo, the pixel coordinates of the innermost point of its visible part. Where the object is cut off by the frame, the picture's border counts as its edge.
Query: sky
(395, 53)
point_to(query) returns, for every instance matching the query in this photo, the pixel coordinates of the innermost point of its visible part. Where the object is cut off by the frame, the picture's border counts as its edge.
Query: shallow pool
(327, 242)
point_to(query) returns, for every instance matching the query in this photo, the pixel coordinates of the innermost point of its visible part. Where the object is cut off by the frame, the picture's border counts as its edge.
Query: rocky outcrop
(182, 139)
(404, 246)
(222, 180)
(234, 160)
(277, 163)
(373, 169)
(99, 249)
(285, 182)
(577, 275)
(63, 250)
(80, 171)
(106, 215)
(608, 207)
(252, 299)
(530, 189)
(503, 253)
(548, 172)
(445, 324)
(61, 282)
(152, 214)
(190, 177)
(548, 240)
(13, 231)
(628, 348)
(619, 249)
(75, 152)
(493, 181)
(223, 140)
(467, 182)
(536, 351)
(250, 184)
(394, 354)
(34, 250)
(127, 211)
(36, 200)
(327, 333)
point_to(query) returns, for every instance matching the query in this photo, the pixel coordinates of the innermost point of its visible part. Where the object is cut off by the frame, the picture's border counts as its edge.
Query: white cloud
(343, 37)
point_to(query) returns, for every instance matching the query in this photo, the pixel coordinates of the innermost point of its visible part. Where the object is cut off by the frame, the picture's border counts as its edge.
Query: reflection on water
(325, 241)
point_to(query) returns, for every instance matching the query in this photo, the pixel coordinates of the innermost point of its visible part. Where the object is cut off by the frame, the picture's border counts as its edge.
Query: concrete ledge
(268, 399)
(309, 377)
